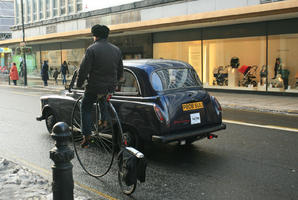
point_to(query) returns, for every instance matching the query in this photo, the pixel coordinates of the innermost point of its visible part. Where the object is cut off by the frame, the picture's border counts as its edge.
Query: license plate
(192, 106)
(195, 118)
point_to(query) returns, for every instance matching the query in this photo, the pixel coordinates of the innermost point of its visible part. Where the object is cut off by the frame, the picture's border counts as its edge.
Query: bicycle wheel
(98, 158)
(128, 190)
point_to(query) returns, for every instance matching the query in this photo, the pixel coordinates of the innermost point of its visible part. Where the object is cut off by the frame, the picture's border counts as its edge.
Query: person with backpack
(64, 70)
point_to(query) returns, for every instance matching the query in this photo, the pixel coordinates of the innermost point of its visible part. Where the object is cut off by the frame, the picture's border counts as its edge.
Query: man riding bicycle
(102, 67)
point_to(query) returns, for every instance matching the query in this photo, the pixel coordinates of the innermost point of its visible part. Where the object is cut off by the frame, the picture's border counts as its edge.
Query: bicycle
(104, 144)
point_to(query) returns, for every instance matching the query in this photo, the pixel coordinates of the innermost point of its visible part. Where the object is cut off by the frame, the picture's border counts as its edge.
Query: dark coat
(45, 72)
(64, 69)
(103, 66)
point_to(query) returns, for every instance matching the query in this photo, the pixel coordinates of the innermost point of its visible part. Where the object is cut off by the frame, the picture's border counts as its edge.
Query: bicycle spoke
(97, 159)
(103, 144)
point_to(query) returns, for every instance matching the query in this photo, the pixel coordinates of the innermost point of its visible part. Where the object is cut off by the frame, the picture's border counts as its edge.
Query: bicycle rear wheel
(98, 158)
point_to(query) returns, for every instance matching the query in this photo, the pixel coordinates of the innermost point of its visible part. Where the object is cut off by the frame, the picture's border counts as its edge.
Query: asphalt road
(246, 161)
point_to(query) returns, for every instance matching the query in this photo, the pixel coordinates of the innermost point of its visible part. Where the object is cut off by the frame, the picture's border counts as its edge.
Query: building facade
(6, 21)
(232, 44)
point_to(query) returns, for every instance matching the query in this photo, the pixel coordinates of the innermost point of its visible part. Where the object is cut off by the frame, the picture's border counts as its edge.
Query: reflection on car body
(159, 101)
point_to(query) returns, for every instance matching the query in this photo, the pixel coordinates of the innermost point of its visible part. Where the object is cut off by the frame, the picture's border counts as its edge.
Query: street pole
(24, 47)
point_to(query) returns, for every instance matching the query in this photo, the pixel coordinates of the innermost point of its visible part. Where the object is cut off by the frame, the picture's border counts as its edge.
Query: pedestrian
(50, 71)
(21, 73)
(14, 75)
(64, 71)
(45, 73)
(103, 66)
(55, 75)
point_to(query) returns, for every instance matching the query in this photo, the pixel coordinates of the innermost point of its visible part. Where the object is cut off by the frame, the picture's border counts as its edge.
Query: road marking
(262, 126)
(48, 173)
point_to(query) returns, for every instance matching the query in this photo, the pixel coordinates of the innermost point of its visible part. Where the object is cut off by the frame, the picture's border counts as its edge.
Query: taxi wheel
(50, 121)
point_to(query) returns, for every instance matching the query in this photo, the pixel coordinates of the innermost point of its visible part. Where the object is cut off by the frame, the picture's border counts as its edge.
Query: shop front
(55, 53)
(5, 57)
(253, 56)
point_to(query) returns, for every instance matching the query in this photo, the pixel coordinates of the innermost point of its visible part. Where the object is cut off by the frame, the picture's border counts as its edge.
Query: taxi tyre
(133, 140)
(50, 121)
(189, 141)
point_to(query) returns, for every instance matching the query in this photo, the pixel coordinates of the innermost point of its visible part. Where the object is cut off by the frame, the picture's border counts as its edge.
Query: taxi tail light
(158, 113)
(211, 136)
(109, 97)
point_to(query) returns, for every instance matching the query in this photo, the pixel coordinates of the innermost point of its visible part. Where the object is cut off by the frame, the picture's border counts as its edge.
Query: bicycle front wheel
(98, 158)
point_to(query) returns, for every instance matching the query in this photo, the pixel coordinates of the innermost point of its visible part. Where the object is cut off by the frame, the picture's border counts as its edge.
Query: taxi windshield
(174, 78)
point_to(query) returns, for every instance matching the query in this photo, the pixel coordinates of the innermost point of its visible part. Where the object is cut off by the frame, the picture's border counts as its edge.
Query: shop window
(283, 63)
(189, 52)
(234, 63)
(129, 86)
(73, 57)
(53, 57)
(128, 56)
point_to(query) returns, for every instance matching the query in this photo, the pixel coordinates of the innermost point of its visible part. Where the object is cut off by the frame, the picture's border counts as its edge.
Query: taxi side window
(129, 85)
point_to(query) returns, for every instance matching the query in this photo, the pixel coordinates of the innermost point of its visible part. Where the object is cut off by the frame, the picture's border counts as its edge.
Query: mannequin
(277, 67)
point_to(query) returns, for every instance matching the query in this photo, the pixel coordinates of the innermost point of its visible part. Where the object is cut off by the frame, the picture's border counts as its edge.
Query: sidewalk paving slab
(258, 102)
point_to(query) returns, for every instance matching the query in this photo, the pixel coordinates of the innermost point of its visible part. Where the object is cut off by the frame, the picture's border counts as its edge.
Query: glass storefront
(239, 63)
(234, 63)
(283, 63)
(73, 57)
(56, 57)
(189, 52)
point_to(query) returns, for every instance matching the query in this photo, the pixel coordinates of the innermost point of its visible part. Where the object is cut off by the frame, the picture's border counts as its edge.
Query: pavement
(243, 101)
(258, 102)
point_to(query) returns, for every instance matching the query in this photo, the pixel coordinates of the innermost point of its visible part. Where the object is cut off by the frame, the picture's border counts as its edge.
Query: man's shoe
(86, 141)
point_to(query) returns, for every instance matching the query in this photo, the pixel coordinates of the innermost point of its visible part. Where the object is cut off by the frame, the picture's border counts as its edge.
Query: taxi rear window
(166, 79)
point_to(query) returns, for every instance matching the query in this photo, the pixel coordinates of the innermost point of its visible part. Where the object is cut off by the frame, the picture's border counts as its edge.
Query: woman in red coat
(14, 75)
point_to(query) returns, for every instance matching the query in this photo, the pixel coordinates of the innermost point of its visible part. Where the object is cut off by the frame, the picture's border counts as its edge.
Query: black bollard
(61, 154)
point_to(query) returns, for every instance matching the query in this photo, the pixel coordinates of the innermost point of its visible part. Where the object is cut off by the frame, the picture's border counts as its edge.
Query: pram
(249, 75)
(221, 76)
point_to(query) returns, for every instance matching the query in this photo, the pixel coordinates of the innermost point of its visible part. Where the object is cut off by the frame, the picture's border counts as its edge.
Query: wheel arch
(139, 141)
(47, 110)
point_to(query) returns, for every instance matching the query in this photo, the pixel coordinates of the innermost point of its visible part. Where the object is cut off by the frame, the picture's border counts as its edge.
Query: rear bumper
(200, 133)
